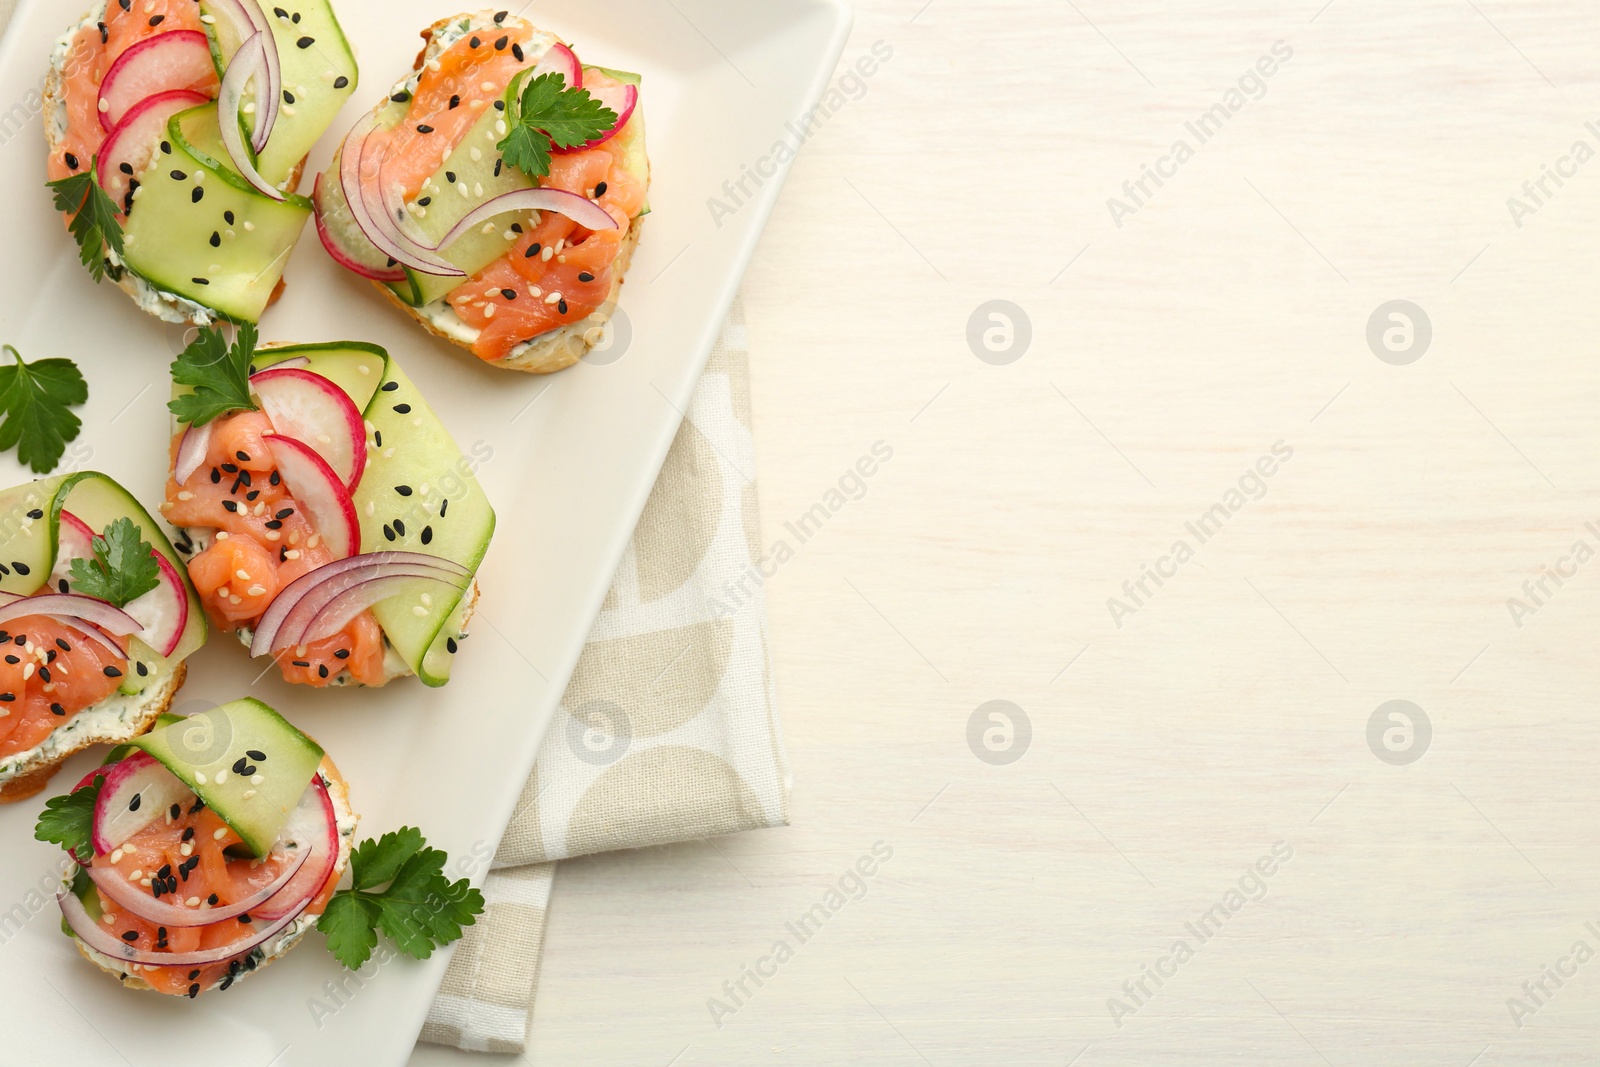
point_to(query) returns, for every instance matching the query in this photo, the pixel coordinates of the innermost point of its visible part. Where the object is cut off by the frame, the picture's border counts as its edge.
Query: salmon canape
(177, 134)
(496, 193)
(96, 620)
(329, 520)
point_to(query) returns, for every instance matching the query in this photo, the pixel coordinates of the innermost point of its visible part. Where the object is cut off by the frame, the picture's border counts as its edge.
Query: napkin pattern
(668, 730)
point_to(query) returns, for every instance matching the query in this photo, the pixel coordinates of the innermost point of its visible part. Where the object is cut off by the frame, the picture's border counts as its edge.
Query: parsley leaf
(34, 397)
(546, 113)
(419, 909)
(219, 374)
(69, 820)
(124, 567)
(93, 218)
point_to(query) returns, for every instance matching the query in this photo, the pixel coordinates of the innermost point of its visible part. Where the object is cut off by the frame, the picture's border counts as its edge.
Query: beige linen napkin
(668, 730)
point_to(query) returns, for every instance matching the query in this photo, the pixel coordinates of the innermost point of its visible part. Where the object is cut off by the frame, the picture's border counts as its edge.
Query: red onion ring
(583, 211)
(248, 63)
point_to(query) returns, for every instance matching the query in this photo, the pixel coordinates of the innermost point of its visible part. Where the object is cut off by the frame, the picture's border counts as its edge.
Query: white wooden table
(1229, 711)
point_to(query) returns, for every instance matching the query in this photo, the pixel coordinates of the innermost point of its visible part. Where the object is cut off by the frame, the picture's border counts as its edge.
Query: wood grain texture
(1230, 711)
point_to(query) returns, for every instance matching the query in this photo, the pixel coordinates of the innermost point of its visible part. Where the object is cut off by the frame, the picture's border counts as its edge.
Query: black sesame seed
(250, 962)
(340, 82)
(403, 409)
(561, 306)
(44, 673)
(288, 97)
(295, 18)
(306, 42)
(476, 42)
(442, 508)
(244, 918)
(401, 97)
(57, 709)
(62, 645)
(242, 457)
(533, 250)
(450, 644)
(133, 805)
(194, 991)
(131, 935)
(227, 216)
(390, 387)
(126, 168)
(427, 534)
(112, 672)
(256, 754)
(141, 668)
(216, 239)
(284, 514)
(500, 45)
(240, 764)
(179, 176)
(585, 276)
(6, 698)
(72, 160)
(231, 505)
(377, 438)
(20, 568)
(273, 524)
(166, 147)
(322, 670)
(455, 102)
(105, 34)
(516, 227)
(200, 281)
(216, 476)
(500, 16)
(274, 480)
(425, 201)
(226, 982)
(516, 50)
(388, 531)
(280, 12)
(231, 468)
(197, 196)
(424, 128)
(193, 975)
(600, 190)
(449, 176)
(165, 872)
(498, 164)
(509, 294)
(126, 5)
(343, 653)
(196, 806)
(399, 527)
(301, 663)
(156, 20)
(212, 899)
(499, 105)
(403, 490)
(62, 585)
(188, 834)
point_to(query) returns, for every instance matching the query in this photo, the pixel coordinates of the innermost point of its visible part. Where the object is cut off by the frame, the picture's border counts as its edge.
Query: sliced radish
(559, 59)
(180, 59)
(128, 149)
(74, 540)
(314, 823)
(316, 412)
(192, 451)
(163, 611)
(99, 937)
(619, 97)
(320, 493)
(306, 595)
(342, 237)
(137, 792)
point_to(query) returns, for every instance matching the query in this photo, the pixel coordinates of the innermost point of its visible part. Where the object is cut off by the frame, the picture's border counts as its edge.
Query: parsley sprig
(69, 820)
(34, 398)
(92, 218)
(544, 113)
(219, 374)
(123, 569)
(398, 886)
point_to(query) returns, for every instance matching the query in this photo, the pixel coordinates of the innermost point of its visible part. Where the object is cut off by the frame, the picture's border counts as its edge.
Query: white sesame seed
(222, 535)
(193, 902)
(249, 226)
(477, 188)
(487, 87)
(371, 509)
(256, 590)
(184, 494)
(419, 610)
(488, 227)
(249, 794)
(27, 672)
(287, 110)
(271, 535)
(242, 575)
(257, 779)
(219, 833)
(476, 155)
(427, 600)
(488, 311)
(105, 105)
(200, 778)
(186, 849)
(293, 553)
(199, 176)
(553, 298)
(324, 439)
(311, 542)
(500, 127)
(461, 187)
(233, 600)
(364, 369)
(146, 882)
(222, 773)
(225, 591)
(548, 254)
(135, 876)
(116, 856)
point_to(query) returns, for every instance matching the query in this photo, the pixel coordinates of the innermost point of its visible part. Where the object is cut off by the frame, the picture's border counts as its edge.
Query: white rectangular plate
(573, 460)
